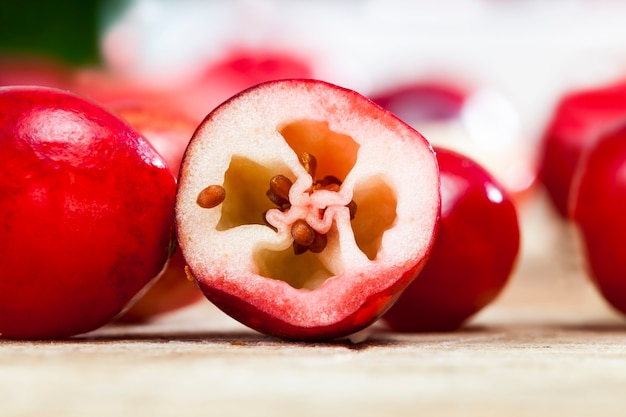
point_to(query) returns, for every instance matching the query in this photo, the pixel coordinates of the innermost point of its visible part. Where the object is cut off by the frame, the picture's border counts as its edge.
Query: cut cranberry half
(304, 209)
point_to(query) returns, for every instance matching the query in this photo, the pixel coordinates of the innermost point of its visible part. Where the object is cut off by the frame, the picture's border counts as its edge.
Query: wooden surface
(548, 346)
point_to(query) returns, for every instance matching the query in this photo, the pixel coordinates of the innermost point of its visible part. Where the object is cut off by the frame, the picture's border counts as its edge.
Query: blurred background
(67, 30)
(481, 76)
(519, 55)
(527, 49)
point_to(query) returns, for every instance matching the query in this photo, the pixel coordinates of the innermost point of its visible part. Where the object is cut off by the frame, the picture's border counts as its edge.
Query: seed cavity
(211, 196)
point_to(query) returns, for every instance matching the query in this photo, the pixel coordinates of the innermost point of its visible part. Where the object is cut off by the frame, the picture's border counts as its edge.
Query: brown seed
(279, 190)
(352, 207)
(309, 162)
(302, 233)
(319, 243)
(282, 205)
(328, 180)
(274, 199)
(211, 196)
(299, 249)
(188, 274)
(331, 187)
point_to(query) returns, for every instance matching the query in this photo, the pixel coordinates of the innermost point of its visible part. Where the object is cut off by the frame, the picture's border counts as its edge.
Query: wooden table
(548, 346)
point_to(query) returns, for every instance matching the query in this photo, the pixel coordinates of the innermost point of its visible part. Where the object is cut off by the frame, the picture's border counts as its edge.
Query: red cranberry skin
(86, 214)
(474, 253)
(598, 201)
(578, 120)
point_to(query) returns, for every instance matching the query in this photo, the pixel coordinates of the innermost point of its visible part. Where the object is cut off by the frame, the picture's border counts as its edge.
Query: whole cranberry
(475, 250)
(86, 214)
(578, 120)
(597, 207)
